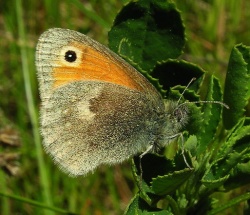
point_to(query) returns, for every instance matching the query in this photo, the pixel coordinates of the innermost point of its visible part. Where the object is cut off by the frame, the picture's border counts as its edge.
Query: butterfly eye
(70, 56)
(178, 115)
(181, 113)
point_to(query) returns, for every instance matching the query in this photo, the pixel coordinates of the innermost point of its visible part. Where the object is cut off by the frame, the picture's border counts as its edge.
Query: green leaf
(178, 72)
(191, 145)
(220, 170)
(163, 185)
(211, 116)
(211, 182)
(231, 164)
(147, 31)
(239, 177)
(152, 165)
(140, 207)
(244, 167)
(238, 141)
(237, 85)
(238, 138)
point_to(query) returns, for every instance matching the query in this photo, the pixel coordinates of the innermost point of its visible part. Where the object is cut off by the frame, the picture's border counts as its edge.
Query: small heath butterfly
(96, 108)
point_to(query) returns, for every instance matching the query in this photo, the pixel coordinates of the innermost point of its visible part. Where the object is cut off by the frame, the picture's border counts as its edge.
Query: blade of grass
(90, 14)
(31, 107)
(36, 203)
(4, 202)
(230, 203)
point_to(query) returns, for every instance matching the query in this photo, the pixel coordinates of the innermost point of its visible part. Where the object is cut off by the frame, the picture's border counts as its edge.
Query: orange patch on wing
(93, 65)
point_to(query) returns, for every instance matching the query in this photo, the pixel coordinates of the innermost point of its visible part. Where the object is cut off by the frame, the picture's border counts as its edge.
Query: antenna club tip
(226, 106)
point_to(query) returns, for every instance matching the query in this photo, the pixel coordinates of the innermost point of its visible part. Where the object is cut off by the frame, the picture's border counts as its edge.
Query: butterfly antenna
(213, 102)
(195, 102)
(190, 82)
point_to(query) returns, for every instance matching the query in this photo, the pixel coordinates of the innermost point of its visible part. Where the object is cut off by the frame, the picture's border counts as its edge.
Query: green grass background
(212, 27)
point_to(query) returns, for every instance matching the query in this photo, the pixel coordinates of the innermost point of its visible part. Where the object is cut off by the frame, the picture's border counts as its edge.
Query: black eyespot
(70, 56)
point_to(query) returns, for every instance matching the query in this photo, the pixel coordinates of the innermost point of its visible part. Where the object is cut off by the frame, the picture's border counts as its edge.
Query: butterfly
(95, 107)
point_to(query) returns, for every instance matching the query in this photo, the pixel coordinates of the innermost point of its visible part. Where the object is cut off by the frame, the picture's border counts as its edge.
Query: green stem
(31, 106)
